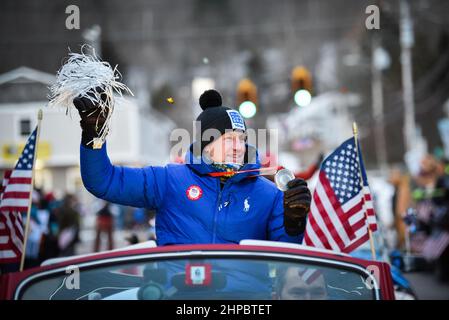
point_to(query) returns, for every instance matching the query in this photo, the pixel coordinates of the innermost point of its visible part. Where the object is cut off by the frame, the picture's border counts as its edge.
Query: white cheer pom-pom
(79, 77)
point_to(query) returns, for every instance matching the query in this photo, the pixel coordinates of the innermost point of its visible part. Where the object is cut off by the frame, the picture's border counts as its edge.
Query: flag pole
(355, 131)
(27, 224)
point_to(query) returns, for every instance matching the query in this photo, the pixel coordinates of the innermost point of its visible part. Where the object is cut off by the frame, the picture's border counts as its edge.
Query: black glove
(92, 118)
(297, 201)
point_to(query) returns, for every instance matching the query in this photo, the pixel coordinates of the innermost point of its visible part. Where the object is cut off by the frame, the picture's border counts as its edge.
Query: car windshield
(212, 278)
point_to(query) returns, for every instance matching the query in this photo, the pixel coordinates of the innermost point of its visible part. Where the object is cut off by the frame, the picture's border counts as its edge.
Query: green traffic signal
(248, 109)
(302, 98)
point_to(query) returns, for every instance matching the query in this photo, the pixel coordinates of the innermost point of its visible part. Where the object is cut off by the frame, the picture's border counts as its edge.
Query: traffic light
(301, 86)
(247, 98)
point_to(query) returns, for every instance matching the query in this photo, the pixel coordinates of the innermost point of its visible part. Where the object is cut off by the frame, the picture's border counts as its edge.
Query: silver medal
(283, 177)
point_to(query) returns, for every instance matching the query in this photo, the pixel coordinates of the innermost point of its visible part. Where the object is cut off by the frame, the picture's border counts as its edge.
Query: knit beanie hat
(216, 116)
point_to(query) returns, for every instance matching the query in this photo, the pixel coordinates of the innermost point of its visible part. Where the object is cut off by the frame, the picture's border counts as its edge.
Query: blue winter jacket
(247, 207)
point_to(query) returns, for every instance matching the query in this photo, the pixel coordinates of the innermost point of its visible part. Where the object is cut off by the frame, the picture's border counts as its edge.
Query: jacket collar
(197, 164)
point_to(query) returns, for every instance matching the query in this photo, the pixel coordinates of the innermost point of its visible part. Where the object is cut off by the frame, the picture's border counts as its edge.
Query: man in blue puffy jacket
(192, 205)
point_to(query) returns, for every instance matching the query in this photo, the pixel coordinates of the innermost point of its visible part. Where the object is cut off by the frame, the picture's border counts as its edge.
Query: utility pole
(380, 61)
(93, 37)
(407, 41)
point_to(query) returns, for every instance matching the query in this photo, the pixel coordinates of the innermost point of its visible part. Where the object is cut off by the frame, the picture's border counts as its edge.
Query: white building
(318, 128)
(137, 138)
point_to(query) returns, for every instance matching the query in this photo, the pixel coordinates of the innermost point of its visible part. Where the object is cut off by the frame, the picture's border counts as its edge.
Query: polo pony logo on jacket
(246, 205)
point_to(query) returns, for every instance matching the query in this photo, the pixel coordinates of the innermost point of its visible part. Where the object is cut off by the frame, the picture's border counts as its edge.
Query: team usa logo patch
(194, 192)
(236, 120)
(198, 274)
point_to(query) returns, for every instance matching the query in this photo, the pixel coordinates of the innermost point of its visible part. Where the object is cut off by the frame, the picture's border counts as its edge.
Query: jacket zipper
(215, 217)
(217, 210)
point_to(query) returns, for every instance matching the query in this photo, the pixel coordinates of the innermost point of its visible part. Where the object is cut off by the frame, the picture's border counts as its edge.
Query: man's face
(296, 288)
(229, 148)
(428, 165)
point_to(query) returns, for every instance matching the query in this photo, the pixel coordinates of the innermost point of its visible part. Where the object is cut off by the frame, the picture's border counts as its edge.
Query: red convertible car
(251, 270)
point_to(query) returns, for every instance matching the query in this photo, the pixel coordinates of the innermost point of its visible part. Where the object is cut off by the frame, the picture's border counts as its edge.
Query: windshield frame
(207, 254)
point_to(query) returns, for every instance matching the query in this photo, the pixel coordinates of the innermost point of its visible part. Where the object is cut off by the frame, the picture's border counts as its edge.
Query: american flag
(5, 180)
(435, 245)
(16, 189)
(309, 275)
(341, 209)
